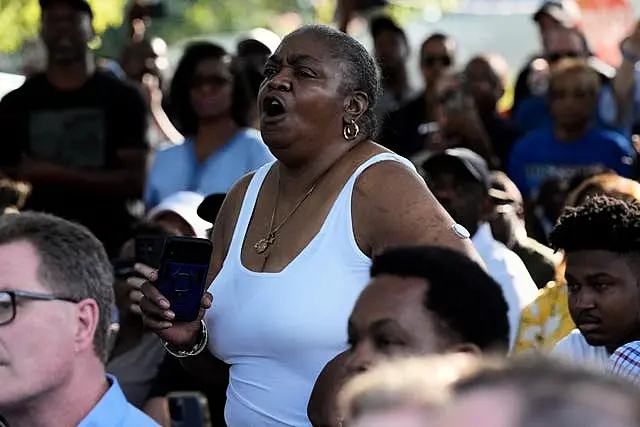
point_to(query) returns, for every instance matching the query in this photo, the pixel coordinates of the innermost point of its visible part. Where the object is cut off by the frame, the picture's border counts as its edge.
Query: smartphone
(188, 409)
(148, 250)
(182, 276)
(455, 100)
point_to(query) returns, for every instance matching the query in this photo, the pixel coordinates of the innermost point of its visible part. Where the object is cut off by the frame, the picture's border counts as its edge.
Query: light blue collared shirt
(113, 410)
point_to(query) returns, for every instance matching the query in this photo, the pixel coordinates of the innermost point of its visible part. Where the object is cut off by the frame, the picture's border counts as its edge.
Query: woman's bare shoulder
(392, 205)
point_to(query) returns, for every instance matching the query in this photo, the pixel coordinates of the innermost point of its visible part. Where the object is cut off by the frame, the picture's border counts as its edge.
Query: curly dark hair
(359, 70)
(600, 223)
(469, 303)
(180, 109)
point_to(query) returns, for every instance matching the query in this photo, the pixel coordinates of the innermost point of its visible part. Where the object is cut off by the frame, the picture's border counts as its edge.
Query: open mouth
(272, 108)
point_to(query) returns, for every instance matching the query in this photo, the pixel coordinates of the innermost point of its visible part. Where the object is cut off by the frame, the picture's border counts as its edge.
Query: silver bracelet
(196, 350)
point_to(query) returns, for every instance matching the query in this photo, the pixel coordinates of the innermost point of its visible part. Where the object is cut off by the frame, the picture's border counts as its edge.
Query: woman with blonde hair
(546, 320)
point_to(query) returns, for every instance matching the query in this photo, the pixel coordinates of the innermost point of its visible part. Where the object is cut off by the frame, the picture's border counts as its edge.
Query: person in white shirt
(460, 180)
(601, 241)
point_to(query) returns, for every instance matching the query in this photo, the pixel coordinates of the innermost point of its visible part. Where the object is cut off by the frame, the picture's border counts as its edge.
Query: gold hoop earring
(351, 130)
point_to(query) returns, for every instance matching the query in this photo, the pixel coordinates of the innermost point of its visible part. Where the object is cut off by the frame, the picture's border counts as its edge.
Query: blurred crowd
(383, 254)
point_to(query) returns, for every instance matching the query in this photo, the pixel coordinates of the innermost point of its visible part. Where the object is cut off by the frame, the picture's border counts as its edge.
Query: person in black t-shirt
(76, 134)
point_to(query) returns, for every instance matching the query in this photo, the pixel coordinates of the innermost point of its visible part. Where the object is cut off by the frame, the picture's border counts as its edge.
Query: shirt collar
(110, 410)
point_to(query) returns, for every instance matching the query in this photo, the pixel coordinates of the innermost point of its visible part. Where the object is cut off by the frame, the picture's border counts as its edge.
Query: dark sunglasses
(433, 60)
(557, 56)
(215, 81)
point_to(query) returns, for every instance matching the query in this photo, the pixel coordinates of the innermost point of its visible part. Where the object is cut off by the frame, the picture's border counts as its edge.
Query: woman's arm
(392, 206)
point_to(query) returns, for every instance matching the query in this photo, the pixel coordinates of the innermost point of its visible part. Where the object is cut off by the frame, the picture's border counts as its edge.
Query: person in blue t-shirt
(212, 113)
(572, 142)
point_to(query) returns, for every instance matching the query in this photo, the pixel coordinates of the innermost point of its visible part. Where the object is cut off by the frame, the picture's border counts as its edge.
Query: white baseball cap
(185, 204)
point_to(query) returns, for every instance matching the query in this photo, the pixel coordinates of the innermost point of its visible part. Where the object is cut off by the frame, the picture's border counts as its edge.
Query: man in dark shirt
(75, 133)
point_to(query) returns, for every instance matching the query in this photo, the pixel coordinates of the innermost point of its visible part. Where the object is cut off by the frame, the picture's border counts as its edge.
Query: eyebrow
(294, 59)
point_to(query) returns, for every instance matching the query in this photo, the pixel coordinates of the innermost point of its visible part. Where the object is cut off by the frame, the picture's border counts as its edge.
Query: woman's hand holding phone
(156, 311)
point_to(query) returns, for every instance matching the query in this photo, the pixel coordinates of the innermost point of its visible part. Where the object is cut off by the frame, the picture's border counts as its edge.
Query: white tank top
(278, 330)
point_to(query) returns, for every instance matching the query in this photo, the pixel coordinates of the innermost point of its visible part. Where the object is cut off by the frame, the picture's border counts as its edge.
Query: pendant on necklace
(263, 244)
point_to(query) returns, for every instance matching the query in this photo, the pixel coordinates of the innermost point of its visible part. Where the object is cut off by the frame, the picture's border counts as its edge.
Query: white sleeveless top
(278, 330)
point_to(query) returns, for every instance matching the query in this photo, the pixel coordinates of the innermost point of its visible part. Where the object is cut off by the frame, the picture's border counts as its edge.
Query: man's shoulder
(137, 418)
(116, 87)
(27, 92)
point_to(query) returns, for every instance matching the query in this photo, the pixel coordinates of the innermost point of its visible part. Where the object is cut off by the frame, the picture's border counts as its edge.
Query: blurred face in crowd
(483, 84)
(211, 89)
(39, 346)
(391, 49)
(436, 56)
(390, 320)
(604, 296)
(174, 224)
(302, 95)
(573, 98)
(463, 197)
(564, 43)
(65, 32)
(546, 25)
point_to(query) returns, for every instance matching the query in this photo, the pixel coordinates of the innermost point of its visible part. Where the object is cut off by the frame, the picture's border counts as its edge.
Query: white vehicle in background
(9, 82)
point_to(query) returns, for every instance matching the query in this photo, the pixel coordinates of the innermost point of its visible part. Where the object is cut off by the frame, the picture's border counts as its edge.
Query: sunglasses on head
(432, 60)
(557, 56)
(211, 80)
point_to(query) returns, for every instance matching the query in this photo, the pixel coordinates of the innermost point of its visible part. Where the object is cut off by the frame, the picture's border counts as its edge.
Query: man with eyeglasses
(56, 298)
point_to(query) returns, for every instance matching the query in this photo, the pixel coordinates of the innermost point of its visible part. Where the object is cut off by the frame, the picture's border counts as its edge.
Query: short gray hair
(72, 262)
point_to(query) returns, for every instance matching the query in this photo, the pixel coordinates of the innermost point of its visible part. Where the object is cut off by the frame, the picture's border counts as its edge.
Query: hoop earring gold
(351, 130)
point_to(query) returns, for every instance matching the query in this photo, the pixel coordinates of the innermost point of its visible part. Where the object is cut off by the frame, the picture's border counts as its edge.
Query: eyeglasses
(432, 60)
(8, 302)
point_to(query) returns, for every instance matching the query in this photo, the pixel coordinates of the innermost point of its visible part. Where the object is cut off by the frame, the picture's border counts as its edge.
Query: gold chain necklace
(262, 245)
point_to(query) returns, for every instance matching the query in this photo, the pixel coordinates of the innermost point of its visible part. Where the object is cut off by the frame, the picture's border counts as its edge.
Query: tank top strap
(248, 204)
(340, 215)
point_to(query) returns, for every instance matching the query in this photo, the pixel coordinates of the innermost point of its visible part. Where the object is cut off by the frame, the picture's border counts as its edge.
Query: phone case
(182, 281)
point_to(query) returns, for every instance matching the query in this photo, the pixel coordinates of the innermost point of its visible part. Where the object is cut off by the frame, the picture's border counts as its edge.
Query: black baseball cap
(472, 162)
(565, 12)
(81, 5)
(210, 206)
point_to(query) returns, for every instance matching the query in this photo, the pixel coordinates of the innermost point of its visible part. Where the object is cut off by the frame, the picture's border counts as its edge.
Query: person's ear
(466, 347)
(355, 105)
(87, 319)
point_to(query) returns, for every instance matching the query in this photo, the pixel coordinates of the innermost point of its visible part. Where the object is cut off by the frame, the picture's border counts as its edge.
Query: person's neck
(70, 76)
(296, 178)
(570, 133)
(212, 134)
(67, 405)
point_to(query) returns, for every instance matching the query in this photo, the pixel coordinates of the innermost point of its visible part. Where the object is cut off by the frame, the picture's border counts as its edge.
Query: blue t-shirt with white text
(539, 156)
